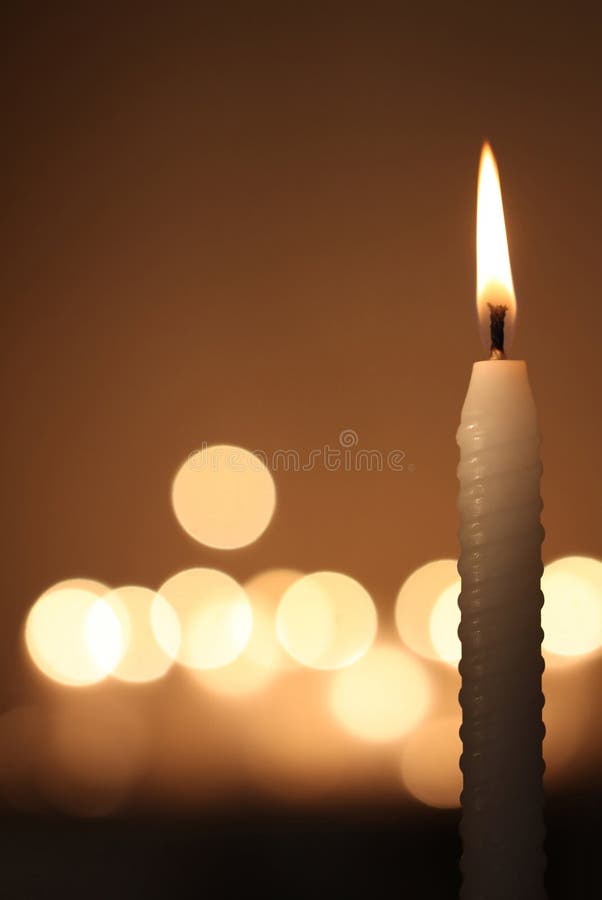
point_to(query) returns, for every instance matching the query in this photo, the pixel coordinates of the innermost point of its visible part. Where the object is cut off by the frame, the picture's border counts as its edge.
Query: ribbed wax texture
(500, 565)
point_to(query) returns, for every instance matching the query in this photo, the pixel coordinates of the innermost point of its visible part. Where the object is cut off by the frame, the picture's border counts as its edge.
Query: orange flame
(494, 275)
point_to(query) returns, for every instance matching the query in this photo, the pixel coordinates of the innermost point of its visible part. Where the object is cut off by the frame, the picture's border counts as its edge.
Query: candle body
(500, 567)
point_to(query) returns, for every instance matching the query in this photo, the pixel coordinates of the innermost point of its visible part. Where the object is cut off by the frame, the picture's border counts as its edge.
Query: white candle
(500, 566)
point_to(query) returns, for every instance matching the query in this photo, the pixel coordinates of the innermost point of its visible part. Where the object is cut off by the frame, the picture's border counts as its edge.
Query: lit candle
(500, 566)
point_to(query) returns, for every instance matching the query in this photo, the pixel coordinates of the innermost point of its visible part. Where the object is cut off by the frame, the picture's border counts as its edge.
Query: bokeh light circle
(416, 601)
(103, 636)
(72, 635)
(265, 591)
(572, 611)
(326, 620)
(444, 622)
(151, 632)
(214, 613)
(224, 496)
(383, 696)
(263, 656)
(430, 763)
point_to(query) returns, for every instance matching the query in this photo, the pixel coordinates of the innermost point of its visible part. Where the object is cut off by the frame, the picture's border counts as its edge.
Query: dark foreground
(288, 855)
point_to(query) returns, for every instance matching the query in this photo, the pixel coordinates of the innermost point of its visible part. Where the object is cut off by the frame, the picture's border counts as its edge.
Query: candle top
(499, 402)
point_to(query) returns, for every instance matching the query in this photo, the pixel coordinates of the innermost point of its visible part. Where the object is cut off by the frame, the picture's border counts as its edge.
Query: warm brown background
(256, 226)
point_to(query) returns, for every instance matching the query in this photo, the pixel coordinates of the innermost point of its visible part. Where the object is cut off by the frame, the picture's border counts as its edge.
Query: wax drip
(497, 314)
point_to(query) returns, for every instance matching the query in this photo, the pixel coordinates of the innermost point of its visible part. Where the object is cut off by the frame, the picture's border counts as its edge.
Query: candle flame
(494, 275)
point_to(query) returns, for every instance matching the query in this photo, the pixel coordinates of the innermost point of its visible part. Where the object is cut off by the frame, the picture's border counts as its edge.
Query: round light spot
(165, 626)
(445, 619)
(326, 620)
(215, 616)
(265, 592)
(383, 696)
(104, 636)
(430, 763)
(416, 601)
(224, 496)
(151, 629)
(71, 635)
(572, 611)
(256, 666)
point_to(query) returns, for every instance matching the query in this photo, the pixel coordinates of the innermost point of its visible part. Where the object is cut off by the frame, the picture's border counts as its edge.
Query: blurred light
(103, 635)
(71, 635)
(256, 666)
(430, 763)
(215, 616)
(239, 678)
(224, 496)
(165, 626)
(445, 619)
(265, 592)
(383, 696)
(416, 601)
(151, 632)
(572, 611)
(326, 620)
(294, 748)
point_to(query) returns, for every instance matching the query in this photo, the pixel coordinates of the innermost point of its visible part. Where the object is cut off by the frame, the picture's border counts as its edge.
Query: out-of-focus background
(255, 226)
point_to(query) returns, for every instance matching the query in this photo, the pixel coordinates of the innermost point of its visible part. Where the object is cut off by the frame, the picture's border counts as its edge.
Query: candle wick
(497, 314)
